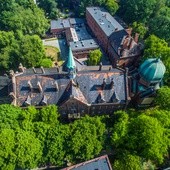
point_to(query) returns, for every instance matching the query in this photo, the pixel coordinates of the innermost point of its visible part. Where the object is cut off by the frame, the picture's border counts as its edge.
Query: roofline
(92, 160)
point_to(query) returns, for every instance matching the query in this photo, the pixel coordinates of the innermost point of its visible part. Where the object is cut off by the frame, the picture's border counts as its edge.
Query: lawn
(54, 54)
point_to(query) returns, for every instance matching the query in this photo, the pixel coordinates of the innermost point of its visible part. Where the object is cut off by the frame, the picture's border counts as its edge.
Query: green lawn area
(54, 54)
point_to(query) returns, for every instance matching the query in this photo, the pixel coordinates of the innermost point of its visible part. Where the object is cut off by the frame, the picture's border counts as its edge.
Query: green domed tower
(146, 82)
(151, 72)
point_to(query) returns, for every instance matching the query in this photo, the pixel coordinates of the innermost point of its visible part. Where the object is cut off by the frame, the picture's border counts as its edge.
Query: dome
(152, 70)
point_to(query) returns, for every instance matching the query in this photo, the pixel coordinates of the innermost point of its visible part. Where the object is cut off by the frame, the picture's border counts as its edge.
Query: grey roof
(75, 21)
(60, 24)
(101, 163)
(83, 45)
(106, 22)
(4, 89)
(88, 81)
(65, 23)
(116, 39)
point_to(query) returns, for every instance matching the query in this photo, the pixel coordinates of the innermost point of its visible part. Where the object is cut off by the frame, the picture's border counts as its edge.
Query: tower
(71, 65)
(147, 81)
(151, 72)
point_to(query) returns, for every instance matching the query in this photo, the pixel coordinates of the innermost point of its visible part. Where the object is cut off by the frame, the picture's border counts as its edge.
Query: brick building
(77, 36)
(122, 49)
(89, 90)
(80, 90)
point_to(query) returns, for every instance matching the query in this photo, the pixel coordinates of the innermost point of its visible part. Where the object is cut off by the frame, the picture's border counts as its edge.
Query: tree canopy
(94, 57)
(17, 48)
(156, 47)
(24, 16)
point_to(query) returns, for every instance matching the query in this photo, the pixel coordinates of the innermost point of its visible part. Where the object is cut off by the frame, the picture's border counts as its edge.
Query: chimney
(104, 84)
(39, 86)
(58, 69)
(129, 31)
(28, 101)
(111, 83)
(30, 85)
(100, 66)
(100, 98)
(21, 68)
(136, 37)
(44, 100)
(12, 95)
(56, 86)
(11, 73)
(42, 68)
(34, 70)
(116, 29)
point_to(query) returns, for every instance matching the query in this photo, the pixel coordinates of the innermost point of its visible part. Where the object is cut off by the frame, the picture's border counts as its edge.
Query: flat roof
(65, 23)
(106, 22)
(101, 163)
(83, 44)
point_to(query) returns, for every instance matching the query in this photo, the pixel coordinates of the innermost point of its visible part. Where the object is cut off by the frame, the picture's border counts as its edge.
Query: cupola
(151, 71)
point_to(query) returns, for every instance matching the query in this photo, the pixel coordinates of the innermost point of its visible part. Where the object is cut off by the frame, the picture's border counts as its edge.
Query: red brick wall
(97, 31)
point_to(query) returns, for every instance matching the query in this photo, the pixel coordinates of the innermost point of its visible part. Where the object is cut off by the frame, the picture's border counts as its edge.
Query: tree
(94, 57)
(139, 28)
(49, 7)
(31, 51)
(120, 129)
(7, 155)
(162, 99)
(16, 48)
(47, 63)
(24, 16)
(139, 10)
(159, 25)
(128, 162)
(156, 47)
(86, 139)
(147, 138)
(9, 116)
(50, 115)
(56, 144)
(28, 150)
(112, 6)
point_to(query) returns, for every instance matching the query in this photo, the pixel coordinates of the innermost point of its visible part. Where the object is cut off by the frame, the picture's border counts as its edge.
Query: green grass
(54, 54)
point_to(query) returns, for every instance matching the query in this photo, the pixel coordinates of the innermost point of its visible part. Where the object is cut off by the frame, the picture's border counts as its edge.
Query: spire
(70, 62)
(71, 65)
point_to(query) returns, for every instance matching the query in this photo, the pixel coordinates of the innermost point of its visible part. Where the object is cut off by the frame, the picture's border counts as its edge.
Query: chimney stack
(21, 68)
(104, 84)
(44, 101)
(11, 73)
(39, 86)
(30, 85)
(136, 37)
(42, 68)
(56, 85)
(111, 83)
(34, 70)
(100, 66)
(28, 101)
(12, 95)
